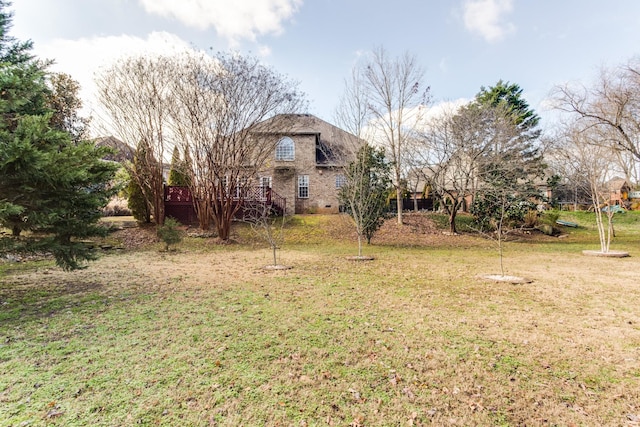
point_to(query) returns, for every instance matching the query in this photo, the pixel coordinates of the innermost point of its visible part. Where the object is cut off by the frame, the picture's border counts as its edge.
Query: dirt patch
(417, 229)
(136, 237)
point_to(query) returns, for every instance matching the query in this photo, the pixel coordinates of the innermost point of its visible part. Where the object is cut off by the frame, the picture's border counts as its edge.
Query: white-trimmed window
(341, 180)
(286, 150)
(265, 185)
(303, 186)
(241, 187)
(225, 184)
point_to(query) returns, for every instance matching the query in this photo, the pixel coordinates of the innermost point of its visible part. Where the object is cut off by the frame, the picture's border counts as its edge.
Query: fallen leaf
(407, 391)
(54, 413)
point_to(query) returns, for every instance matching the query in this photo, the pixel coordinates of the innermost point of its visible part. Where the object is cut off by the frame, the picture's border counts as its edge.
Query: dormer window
(285, 150)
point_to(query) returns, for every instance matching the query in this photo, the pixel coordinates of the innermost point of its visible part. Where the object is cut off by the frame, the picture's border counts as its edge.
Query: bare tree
(365, 190)
(135, 94)
(221, 104)
(448, 153)
(267, 225)
(612, 103)
(574, 184)
(393, 93)
(628, 164)
(505, 170)
(583, 155)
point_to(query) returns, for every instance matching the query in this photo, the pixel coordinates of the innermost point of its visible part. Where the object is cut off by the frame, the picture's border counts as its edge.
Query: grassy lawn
(205, 336)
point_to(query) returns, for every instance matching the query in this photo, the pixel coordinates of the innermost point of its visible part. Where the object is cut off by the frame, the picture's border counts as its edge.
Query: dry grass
(205, 336)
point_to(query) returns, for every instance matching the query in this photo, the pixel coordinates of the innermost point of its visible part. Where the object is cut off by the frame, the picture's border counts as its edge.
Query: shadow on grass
(24, 300)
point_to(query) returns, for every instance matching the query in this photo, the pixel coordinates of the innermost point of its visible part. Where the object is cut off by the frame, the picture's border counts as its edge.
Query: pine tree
(49, 185)
(513, 159)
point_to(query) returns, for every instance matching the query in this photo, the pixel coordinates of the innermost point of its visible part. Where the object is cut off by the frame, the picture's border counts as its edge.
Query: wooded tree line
(486, 148)
(491, 152)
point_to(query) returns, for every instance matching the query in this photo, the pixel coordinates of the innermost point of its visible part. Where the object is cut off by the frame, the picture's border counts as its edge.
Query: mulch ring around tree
(274, 267)
(609, 254)
(360, 258)
(514, 280)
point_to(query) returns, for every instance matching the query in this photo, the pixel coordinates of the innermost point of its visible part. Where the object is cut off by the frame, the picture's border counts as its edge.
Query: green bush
(550, 217)
(170, 232)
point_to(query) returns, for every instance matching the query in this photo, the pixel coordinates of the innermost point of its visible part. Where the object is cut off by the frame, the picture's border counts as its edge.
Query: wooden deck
(178, 203)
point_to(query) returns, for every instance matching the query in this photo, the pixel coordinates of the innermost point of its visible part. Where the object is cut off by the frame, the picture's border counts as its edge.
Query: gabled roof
(122, 151)
(332, 142)
(618, 183)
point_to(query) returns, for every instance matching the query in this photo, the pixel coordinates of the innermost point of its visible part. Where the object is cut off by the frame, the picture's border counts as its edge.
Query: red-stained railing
(178, 202)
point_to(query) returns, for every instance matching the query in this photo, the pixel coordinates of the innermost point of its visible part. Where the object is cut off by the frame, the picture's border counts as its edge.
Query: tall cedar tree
(139, 197)
(178, 174)
(49, 185)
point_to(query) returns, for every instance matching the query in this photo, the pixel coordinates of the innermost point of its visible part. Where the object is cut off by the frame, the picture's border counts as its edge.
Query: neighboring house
(619, 190)
(451, 183)
(121, 152)
(308, 163)
(616, 191)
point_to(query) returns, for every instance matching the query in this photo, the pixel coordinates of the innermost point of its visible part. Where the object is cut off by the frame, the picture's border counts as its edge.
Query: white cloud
(444, 108)
(487, 18)
(232, 19)
(82, 58)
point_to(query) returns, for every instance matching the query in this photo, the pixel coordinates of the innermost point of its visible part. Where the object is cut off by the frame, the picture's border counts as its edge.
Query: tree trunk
(223, 228)
(500, 248)
(452, 220)
(399, 205)
(203, 212)
(158, 208)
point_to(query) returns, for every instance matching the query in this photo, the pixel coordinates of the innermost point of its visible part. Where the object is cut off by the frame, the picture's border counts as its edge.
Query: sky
(462, 45)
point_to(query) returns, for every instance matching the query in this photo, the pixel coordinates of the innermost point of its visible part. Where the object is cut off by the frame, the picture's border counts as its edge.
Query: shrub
(548, 223)
(170, 232)
(487, 208)
(117, 206)
(531, 219)
(550, 217)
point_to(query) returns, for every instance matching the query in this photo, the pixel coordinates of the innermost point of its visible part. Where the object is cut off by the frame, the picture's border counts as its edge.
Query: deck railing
(179, 200)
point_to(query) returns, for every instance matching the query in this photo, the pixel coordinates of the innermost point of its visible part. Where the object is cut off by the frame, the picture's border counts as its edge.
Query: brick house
(303, 174)
(307, 165)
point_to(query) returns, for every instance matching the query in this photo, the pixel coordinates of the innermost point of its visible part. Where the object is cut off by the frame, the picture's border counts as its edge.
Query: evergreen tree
(509, 96)
(65, 103)
(365, 192)
(137, 203)
(49, 185)
(178, 172)
(139, 192)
